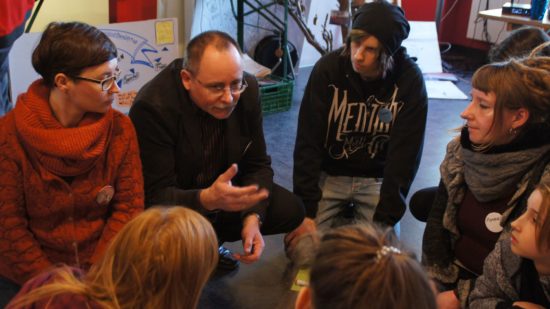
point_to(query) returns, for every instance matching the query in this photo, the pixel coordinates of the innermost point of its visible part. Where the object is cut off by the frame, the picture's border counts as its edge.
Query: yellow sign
(164, 31)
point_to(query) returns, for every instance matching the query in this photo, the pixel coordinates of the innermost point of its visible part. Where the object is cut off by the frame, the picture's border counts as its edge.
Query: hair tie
(384, 251)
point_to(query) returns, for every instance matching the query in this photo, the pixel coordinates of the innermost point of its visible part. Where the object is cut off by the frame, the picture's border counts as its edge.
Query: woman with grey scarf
(488, 172)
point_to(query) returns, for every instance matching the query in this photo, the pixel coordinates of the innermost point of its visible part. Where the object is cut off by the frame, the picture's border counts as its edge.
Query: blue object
(538, 8)
(385, 115)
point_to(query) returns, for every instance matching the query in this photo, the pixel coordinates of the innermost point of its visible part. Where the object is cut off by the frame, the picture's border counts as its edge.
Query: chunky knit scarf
(490, 175)
(62, 151)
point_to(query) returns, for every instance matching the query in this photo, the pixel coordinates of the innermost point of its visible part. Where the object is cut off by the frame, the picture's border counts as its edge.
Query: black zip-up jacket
(350, 127)
(170, 141)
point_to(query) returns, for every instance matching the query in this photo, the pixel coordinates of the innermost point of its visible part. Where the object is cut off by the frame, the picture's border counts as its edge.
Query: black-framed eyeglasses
(235, 88)
(105, 83)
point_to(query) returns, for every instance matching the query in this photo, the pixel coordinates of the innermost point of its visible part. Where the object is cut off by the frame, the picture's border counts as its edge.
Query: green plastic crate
(276, 97)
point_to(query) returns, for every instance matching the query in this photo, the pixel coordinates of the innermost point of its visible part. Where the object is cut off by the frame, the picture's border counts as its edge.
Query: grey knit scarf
(490, 176)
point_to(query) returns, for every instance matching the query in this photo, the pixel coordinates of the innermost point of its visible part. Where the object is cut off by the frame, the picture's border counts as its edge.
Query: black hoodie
(341, 130)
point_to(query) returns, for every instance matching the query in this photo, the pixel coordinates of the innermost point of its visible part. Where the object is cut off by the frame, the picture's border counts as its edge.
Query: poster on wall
(144, 49)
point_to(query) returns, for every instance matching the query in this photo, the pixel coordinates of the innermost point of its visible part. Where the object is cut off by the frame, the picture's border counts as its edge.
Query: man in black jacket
(199, 127)
(361, 125)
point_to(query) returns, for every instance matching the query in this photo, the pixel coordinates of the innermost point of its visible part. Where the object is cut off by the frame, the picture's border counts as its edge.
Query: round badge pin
(105, 195)
(492, 222)
(385, 115)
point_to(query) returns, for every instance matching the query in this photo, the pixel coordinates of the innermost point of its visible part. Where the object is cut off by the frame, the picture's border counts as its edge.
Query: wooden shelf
(514, 20)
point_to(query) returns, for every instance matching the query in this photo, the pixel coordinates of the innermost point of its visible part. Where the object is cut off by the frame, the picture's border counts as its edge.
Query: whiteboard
(144, 49)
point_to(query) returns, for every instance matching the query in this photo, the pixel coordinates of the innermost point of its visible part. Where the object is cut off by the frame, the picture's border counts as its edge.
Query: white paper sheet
(255, 68)
(423, 44)
(438, 89)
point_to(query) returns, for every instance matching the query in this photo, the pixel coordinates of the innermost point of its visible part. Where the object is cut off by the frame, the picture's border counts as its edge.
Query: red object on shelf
(132, 10)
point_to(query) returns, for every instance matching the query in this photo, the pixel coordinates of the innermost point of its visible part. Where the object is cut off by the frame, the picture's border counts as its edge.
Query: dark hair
(196, 47)
(362, 266)
(70, 48)
(519, 44)
(543, 230)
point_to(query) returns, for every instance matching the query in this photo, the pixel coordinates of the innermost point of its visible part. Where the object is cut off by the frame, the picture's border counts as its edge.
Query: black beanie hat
(384, 21)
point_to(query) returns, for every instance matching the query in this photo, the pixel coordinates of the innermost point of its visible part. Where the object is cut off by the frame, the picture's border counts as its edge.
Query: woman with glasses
(70, 172)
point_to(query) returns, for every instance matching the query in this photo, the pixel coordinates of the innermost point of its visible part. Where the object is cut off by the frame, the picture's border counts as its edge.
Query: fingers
(236, 192)
(253, 243)
(247, 245)
(252, 199)
(239, 201)
(252, 250)
(254, 255)
(229, 173)
(289, 237)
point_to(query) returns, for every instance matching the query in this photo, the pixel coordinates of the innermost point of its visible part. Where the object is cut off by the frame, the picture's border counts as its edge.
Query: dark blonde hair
(543, 229)
(365, 267)
(517, 83)
(160, 259)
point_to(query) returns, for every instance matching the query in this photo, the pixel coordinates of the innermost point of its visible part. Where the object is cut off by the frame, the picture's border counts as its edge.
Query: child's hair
(361, 266)
(160, 259)
(519, 44)
(543, 230)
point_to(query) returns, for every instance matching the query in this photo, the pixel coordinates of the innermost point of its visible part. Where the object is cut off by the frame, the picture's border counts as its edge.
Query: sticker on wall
(164, 31)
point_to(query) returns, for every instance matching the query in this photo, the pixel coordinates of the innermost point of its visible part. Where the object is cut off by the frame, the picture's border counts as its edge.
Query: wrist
(203, 200)
(252, 217)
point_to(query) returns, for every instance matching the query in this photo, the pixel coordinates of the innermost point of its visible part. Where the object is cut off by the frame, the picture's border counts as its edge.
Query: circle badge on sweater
(105, 195)
(492, 222)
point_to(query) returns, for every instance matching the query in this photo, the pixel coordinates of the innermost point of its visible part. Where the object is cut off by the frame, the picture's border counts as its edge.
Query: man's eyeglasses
(105, 83)
(235, 88)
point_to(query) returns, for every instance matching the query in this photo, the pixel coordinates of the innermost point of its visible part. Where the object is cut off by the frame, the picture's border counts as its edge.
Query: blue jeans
(8, 290)
(334, 210)
(339, 192)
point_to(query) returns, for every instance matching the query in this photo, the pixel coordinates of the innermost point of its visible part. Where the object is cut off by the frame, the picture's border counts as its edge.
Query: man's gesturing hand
(222, 195)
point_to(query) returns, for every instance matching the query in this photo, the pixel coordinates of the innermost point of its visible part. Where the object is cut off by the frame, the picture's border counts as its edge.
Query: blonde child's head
(160, 259)
(365, 267)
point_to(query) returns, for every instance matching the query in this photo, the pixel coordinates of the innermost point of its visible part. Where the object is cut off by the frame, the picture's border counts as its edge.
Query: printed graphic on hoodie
(355, 126)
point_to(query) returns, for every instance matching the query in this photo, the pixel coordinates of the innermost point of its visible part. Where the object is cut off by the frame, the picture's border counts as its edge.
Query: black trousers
(284, 213)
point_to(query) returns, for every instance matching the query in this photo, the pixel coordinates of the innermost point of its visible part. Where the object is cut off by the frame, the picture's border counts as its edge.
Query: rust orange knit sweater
(51, 183)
